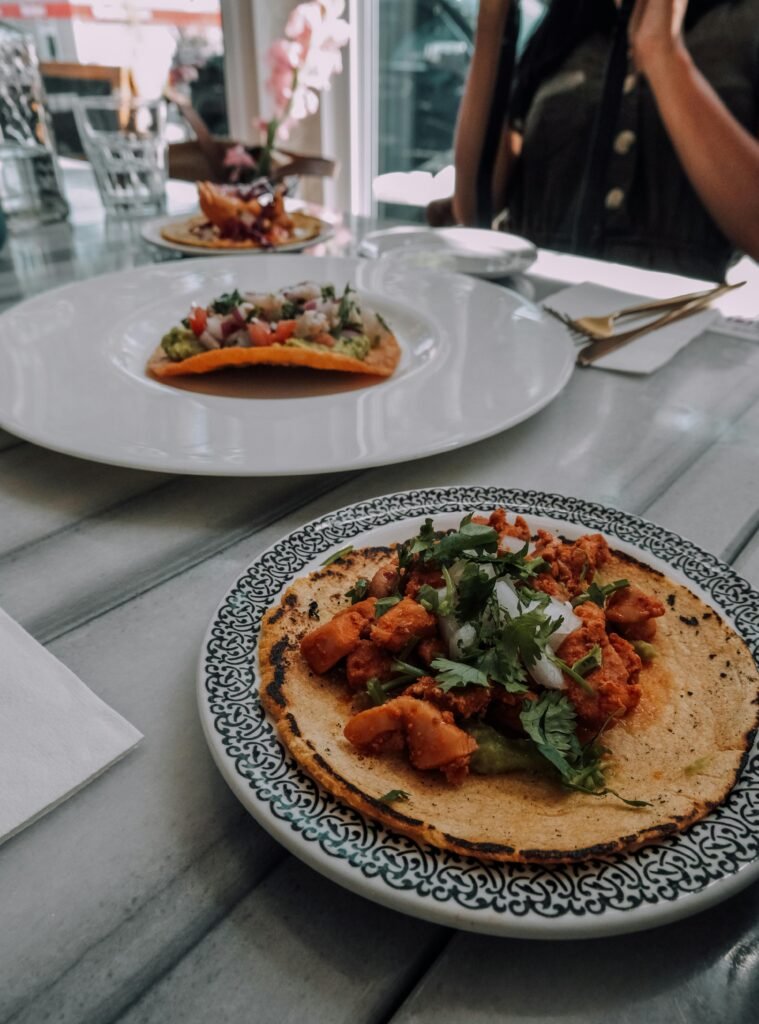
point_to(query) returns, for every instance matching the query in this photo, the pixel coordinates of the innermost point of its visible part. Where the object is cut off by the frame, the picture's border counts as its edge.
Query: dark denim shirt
(652, 215)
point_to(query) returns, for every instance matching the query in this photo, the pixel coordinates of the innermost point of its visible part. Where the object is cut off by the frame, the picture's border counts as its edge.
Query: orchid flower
(301, 66)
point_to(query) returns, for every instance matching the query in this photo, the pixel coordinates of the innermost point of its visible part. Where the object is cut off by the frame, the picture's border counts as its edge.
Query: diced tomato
(260, 334)
(283, 330)
(198, 319)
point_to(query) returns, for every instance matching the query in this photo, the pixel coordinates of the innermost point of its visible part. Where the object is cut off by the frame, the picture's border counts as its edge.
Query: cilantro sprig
(550, 722)
(599, 593)
(226, 302)
(394, 795)
(454, 674)
(337, 555)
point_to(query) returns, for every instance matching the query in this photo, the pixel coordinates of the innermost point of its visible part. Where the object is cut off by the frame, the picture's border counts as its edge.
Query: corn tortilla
(681, 749)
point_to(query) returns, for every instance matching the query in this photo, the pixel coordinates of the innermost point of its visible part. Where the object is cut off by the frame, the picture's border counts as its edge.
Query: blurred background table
(151, 895)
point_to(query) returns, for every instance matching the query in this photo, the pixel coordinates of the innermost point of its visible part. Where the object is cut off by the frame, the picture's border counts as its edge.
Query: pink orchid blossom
(301, 66)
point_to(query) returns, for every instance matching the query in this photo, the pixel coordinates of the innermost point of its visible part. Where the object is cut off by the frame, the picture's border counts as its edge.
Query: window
(413, 58)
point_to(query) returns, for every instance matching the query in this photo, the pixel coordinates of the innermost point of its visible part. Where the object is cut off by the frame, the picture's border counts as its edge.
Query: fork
(597, 328)
(603, 346)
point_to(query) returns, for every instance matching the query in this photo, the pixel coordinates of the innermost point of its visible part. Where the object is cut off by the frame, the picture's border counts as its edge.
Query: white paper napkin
(56, 735)
(644, 355)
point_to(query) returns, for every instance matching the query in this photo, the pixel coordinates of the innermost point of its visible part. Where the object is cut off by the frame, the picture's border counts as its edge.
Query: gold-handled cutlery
(595, 329)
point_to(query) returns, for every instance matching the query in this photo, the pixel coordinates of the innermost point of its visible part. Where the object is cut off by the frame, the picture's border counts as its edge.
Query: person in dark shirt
(679, 185)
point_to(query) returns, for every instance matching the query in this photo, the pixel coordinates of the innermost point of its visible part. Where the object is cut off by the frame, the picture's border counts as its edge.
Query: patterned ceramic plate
(685, 874)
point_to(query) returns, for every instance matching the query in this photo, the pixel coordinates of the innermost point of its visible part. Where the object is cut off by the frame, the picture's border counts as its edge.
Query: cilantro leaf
(528, 634)
(358, 591)
(473, 592)
(408, 670)
(453, 674)
(226, 302)
(328, 292)
(571, 672)
(592, 660)
(338, 555)
(469, 537)
(550, 722)
(394, 795)
(384, 604)
(598, 594)
(376, 691)
(416, 545)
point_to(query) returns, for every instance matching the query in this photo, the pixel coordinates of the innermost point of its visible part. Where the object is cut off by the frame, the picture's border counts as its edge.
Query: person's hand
(655, 31)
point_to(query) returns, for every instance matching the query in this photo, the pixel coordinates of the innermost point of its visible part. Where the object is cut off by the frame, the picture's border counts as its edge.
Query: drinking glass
(125, 141)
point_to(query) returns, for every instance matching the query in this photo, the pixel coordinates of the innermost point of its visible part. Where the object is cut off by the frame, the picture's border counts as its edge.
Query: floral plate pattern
(689, 872)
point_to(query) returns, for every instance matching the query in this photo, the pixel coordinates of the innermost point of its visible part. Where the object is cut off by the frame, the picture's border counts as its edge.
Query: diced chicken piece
(434, 741)
(505, 708)
(430, 648)
(610, 691)
(630, 658)
(385, 581)
(367, 661)
(420, 577)
(364, 608)
(633, 612)
(462, 703)
(572, 564)
(404, 622)
(508, 533)
(545, 582)
(324, 646)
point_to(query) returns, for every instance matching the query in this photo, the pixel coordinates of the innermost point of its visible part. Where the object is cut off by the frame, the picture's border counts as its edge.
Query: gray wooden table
(151, 895)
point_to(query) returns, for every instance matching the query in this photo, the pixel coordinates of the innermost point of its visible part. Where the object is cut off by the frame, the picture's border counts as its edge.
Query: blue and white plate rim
(714, 859)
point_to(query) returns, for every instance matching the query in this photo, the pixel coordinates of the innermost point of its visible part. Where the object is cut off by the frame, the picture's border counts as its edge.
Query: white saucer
(476, 251)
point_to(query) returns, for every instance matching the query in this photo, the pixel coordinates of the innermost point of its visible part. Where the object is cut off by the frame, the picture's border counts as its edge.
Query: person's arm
(720, 157)
(474, 111)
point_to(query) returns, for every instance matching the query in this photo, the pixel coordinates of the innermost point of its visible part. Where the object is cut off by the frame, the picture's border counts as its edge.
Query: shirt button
(624, 142)
(614, 199)
(629, 83)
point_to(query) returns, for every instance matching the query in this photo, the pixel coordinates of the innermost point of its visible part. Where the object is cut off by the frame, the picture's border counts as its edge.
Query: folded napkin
(643, 355)
(55, 734)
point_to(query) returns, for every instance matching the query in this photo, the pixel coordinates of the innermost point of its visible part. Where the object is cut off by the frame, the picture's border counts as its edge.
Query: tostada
(307, 324)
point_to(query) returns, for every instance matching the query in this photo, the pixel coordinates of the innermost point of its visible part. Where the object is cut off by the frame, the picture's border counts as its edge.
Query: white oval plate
(690, 872)
(476, 251)
(475, 360)
(151, 232)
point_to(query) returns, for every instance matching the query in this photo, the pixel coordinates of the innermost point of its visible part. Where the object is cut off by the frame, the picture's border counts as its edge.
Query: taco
(243, 217)
(304, 325)
(507, 695)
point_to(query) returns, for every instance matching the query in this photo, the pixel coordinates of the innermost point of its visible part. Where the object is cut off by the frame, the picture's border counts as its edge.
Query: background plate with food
(170, 233)
(474, 359)
(682, 873)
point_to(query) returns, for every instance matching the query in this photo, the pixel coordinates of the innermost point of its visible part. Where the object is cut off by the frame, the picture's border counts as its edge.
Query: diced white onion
(547, 674)
(555, 609)
(213, 326)
(508, 543)
(507, 598)
(463, 637)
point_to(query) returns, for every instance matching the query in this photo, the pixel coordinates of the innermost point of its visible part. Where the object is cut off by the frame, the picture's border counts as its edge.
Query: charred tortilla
(197, 231)
(380, 362)
(681, 749)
